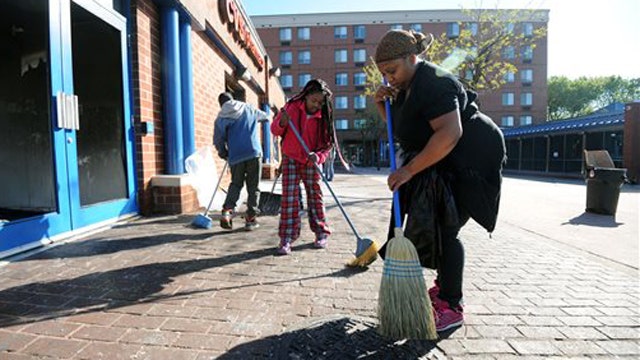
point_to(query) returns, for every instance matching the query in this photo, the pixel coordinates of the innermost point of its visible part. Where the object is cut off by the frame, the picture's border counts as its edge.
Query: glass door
(34, 202)
(100, 154)
(66, 150)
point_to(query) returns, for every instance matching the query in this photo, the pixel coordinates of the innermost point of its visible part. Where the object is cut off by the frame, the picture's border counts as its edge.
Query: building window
(340, 56)
(396, 27)
(526, 99)
(359, 123)
(416, 27)
(468, 74)
(359, 79)
(303, 79)
(453, 30)
(527, 53)
(509, 77)
(509, 27)
(507, 99)
(359, 102)
(507, 121)
(304, 57)
(473, 28)
(342, 124)
(359, 55)
(527, 29)
(359, 32)
(508, 52)
(342, 79)
(286, 81)
(286, 57)
(526, 120)
(304, 33)
(340, 32)
(285, 34)
(342, 102)
(526, 76)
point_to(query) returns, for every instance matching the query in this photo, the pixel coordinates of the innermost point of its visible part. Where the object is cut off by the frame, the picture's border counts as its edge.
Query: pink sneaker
(446, 317)
(284, 248)
(434, 291)
(320, 243)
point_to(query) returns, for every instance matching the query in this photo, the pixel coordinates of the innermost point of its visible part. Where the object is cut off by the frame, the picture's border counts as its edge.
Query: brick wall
(174, 200)
(147, 97)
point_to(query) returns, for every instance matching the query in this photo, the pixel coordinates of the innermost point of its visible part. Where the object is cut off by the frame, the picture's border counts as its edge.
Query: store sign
(237, 25)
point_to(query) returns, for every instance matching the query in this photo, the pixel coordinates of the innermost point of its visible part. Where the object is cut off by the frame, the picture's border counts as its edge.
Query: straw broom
(404, 308)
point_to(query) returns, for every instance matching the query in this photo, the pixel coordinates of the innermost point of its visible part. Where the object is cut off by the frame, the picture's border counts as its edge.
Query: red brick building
(223, 42)
(335, 47)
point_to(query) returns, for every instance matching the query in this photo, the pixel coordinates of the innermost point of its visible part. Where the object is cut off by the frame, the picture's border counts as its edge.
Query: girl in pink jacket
(311, 112)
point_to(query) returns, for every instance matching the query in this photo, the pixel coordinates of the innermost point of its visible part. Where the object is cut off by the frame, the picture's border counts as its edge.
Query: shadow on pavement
(597, 220)
(354, 202)
(102, 246)
(338, 338)
(101, 291)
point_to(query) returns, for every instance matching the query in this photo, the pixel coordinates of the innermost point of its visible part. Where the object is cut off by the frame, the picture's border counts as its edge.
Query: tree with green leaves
(488, 44)
(483, 49)
(573, 98)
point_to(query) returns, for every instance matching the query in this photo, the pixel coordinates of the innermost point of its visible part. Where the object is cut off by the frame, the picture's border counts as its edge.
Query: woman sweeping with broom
(445, 177)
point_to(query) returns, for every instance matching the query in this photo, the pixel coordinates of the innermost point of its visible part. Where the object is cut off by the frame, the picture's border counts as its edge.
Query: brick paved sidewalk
(156, 289)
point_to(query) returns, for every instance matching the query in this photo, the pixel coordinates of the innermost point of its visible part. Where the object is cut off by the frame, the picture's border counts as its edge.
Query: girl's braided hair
(327, 131)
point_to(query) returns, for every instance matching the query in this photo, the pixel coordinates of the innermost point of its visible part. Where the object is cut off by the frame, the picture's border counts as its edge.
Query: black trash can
(603, 189)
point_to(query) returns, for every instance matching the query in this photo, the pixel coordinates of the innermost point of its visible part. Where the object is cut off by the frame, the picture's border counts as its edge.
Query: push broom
(404, 308)
(203, 220)
(269, 203)
(366, 249)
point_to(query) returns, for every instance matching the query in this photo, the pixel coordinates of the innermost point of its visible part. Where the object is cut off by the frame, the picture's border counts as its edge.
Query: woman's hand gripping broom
(404, 308)
(366, 249)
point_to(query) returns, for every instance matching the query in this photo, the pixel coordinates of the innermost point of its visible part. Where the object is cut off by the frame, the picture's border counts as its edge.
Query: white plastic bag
(203, 177)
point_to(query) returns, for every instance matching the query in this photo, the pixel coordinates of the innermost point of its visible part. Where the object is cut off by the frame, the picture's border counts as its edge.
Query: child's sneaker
(284, 248)
(226, 221)
(320, 243)
(447, 317)
(251, 223)
(434, 291)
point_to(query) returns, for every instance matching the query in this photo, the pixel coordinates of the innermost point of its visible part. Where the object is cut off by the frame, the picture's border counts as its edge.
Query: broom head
(404, 308)
(366, 253)
(202, 221)
(269, 203)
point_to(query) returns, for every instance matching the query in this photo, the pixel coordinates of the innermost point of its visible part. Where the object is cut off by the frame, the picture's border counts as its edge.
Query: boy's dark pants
(248, 172)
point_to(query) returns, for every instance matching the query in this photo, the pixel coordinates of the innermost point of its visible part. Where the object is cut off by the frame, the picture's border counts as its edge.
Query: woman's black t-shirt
(433, 92)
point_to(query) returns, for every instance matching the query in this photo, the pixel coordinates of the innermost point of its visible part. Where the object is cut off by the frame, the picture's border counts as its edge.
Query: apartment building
(336, 46)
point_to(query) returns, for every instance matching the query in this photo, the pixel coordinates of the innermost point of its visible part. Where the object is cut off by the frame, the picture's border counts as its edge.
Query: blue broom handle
(392, 158)
(306, 149)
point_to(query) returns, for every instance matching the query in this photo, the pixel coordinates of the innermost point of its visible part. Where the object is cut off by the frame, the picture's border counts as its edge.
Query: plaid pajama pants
(290, 221)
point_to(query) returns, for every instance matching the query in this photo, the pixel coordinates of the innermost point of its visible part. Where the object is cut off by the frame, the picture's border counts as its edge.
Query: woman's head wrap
(397, 44)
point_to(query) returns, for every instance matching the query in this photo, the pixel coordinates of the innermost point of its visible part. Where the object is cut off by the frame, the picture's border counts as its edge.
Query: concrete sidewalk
(154, 288)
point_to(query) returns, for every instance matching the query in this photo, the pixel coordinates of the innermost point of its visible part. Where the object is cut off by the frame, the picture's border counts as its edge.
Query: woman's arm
(447, 130)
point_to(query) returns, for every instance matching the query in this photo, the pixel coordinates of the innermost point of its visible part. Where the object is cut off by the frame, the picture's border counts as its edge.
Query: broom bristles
(404, 308)
(367, 257)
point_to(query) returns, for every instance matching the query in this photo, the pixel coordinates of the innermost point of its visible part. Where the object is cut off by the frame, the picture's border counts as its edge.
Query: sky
(585, 37)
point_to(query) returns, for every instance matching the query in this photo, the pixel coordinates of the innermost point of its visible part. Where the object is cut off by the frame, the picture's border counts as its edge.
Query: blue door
(69, 161)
